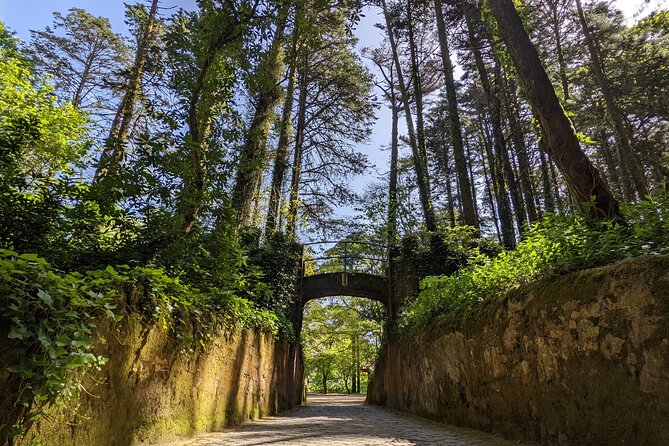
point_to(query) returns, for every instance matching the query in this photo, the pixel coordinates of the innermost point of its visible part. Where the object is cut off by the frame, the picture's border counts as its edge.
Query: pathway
(343, 420)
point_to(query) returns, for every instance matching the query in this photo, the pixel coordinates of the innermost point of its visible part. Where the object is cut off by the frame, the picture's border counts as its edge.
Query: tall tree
(265, 84)
(420, 163)
(499, 166)
(389, 86)
(84, 55)
(281, 163)
(583, 179)
(296, 176)
(525, 173)
(621, 129)
(467, 196)
(114, 147)
(335, 112)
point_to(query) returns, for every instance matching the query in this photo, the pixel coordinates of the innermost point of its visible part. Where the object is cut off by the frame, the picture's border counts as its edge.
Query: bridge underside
(369, 286)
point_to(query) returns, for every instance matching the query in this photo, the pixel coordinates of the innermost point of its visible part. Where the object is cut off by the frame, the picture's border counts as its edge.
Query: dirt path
(343, 420)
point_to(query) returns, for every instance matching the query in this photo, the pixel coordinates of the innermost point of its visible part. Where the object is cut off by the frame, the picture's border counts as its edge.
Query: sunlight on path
(343, 420)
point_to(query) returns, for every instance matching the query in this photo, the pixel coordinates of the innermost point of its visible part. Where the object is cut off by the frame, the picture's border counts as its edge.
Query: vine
(51, 320)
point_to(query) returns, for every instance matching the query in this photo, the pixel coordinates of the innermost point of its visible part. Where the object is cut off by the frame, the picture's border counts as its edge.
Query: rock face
(582, 359)
(149, 391)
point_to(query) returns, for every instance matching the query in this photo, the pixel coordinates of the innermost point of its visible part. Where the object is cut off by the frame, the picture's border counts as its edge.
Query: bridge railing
(345, 256)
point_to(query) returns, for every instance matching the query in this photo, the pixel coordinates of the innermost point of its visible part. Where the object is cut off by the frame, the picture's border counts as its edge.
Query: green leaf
(45, 297)
(18, 332)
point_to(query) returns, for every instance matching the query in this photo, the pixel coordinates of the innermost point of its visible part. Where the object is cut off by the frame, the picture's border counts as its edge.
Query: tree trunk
(281, 158)
(585, 183)
(470, 169)
(450, 205)
(254, 151)
(299, 141)
(503, 152)
(392, 186)
(518, 138)
(508, 236)
(623, 135)
(609, 160)
(114, 148)
(549, 198)
(467, 197)
(489, 188)
(505, 215)
(498, 168)
(85, 74)
(357, 365)
(353, 381)
(419, 161)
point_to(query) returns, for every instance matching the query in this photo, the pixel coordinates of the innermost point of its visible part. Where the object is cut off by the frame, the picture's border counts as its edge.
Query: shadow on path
(343, 420)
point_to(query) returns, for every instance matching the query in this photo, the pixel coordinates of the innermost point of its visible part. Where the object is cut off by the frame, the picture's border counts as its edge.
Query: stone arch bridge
(357, 273)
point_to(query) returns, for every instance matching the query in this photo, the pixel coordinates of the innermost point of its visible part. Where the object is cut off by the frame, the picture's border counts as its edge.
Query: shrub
(556, 245)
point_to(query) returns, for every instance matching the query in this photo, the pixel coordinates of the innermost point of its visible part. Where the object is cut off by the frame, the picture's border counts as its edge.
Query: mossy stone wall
(581, 359)
(150, 391)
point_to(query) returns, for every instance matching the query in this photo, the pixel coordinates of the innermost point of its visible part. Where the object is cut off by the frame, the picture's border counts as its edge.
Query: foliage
(279, 260)
(427, 254)
(338, 338)
(53, 319)
(37, 136)
(556, 245)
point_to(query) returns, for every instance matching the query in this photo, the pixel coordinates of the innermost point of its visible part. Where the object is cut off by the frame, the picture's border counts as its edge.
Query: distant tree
(114, 146)
(339, 337)
(84, 56)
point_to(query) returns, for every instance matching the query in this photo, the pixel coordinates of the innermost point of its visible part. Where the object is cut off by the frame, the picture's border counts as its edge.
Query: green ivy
(52, 319)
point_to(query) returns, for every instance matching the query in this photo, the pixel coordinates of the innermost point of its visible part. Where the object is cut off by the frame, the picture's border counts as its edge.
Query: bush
(556, 245)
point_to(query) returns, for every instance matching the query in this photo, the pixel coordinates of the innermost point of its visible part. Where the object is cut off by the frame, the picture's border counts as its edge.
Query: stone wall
(581, 359)
(149, 391)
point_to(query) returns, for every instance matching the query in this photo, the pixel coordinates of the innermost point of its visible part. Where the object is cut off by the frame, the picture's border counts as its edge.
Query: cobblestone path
(343, 420)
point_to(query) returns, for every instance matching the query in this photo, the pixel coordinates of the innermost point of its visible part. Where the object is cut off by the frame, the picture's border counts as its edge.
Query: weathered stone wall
(582, 359)
(149, 391)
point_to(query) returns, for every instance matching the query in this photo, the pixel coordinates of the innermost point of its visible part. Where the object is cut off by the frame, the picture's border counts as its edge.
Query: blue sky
(24, 15)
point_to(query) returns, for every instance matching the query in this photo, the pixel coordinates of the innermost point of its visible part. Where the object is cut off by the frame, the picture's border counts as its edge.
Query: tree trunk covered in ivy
(281, 158)
(252, 161)
(114, 148)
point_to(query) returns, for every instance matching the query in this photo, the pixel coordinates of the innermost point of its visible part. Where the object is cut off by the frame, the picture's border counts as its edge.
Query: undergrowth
(52, 319)
(556, 245)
